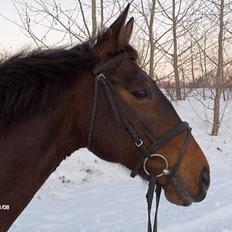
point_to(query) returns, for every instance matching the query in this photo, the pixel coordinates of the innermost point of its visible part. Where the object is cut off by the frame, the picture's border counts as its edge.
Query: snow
(86, 194)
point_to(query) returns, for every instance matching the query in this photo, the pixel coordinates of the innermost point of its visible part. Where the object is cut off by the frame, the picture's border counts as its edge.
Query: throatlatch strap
(109, 95)
(93, 115)
(96, 72)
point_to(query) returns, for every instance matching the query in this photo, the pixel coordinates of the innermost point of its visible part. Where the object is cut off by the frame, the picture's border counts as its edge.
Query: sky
(11, 37)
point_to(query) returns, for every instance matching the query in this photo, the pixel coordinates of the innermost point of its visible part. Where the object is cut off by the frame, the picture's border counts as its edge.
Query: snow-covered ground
(86, 194)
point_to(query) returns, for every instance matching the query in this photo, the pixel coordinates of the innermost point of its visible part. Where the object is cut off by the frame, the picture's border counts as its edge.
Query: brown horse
(51, 105)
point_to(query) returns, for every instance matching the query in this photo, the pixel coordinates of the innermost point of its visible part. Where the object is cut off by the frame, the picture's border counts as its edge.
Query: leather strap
(168, 136)
(94, 112)
(102, 67)
(118, 107)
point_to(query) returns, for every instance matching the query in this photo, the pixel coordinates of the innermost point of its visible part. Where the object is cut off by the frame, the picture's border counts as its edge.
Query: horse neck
(32, 150)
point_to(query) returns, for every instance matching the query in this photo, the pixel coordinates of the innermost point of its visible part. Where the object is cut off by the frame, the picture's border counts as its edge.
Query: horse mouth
(177, 198)
(186, 202)
(177, 194)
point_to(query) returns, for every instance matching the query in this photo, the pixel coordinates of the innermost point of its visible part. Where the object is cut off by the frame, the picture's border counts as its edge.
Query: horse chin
(176, 197)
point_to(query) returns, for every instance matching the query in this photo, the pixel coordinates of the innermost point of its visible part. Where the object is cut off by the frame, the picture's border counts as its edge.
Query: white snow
(86, 194)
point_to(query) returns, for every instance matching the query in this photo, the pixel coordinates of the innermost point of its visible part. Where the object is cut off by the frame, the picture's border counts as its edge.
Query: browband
(102, 67)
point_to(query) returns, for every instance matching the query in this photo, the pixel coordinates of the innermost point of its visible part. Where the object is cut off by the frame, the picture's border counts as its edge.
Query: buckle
(139, 143)
(101, 77)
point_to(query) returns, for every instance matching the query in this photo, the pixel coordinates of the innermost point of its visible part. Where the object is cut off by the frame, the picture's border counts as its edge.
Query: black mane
(29, 81)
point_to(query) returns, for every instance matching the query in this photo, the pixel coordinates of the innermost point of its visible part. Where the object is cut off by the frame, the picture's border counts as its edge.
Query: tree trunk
(151, 39)
(94, 19)
(223, 86)
(206, 82)
(192, 65)
(218, 87)
(175, 55)
(216, 112)
(102, 15)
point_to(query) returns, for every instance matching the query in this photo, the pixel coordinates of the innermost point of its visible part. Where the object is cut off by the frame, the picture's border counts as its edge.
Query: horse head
(133, 122)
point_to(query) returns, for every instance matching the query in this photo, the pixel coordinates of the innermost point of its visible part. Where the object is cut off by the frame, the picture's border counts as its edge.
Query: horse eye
(141, 94)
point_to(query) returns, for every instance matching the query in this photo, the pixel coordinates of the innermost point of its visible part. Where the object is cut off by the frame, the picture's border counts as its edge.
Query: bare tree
(41, 19)
(102, 14)
(177, 18)
(147, 11)
(94, 18)
(175, 55)
(219, 75)
(151, 38)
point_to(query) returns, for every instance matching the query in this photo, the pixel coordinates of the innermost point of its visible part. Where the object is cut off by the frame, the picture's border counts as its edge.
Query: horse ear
(129, 29)
(116, 36)
(118, 24)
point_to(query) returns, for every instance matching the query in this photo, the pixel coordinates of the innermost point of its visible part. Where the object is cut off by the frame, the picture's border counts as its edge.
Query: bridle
(146, 151)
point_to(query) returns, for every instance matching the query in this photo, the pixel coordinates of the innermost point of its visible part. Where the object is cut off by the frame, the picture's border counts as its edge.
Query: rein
(146, 152)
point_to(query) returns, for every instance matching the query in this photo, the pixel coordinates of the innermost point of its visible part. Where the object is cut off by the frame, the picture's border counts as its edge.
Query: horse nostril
(205, 179)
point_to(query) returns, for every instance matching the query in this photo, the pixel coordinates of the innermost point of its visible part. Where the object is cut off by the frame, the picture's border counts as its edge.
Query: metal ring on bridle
(165, 171)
